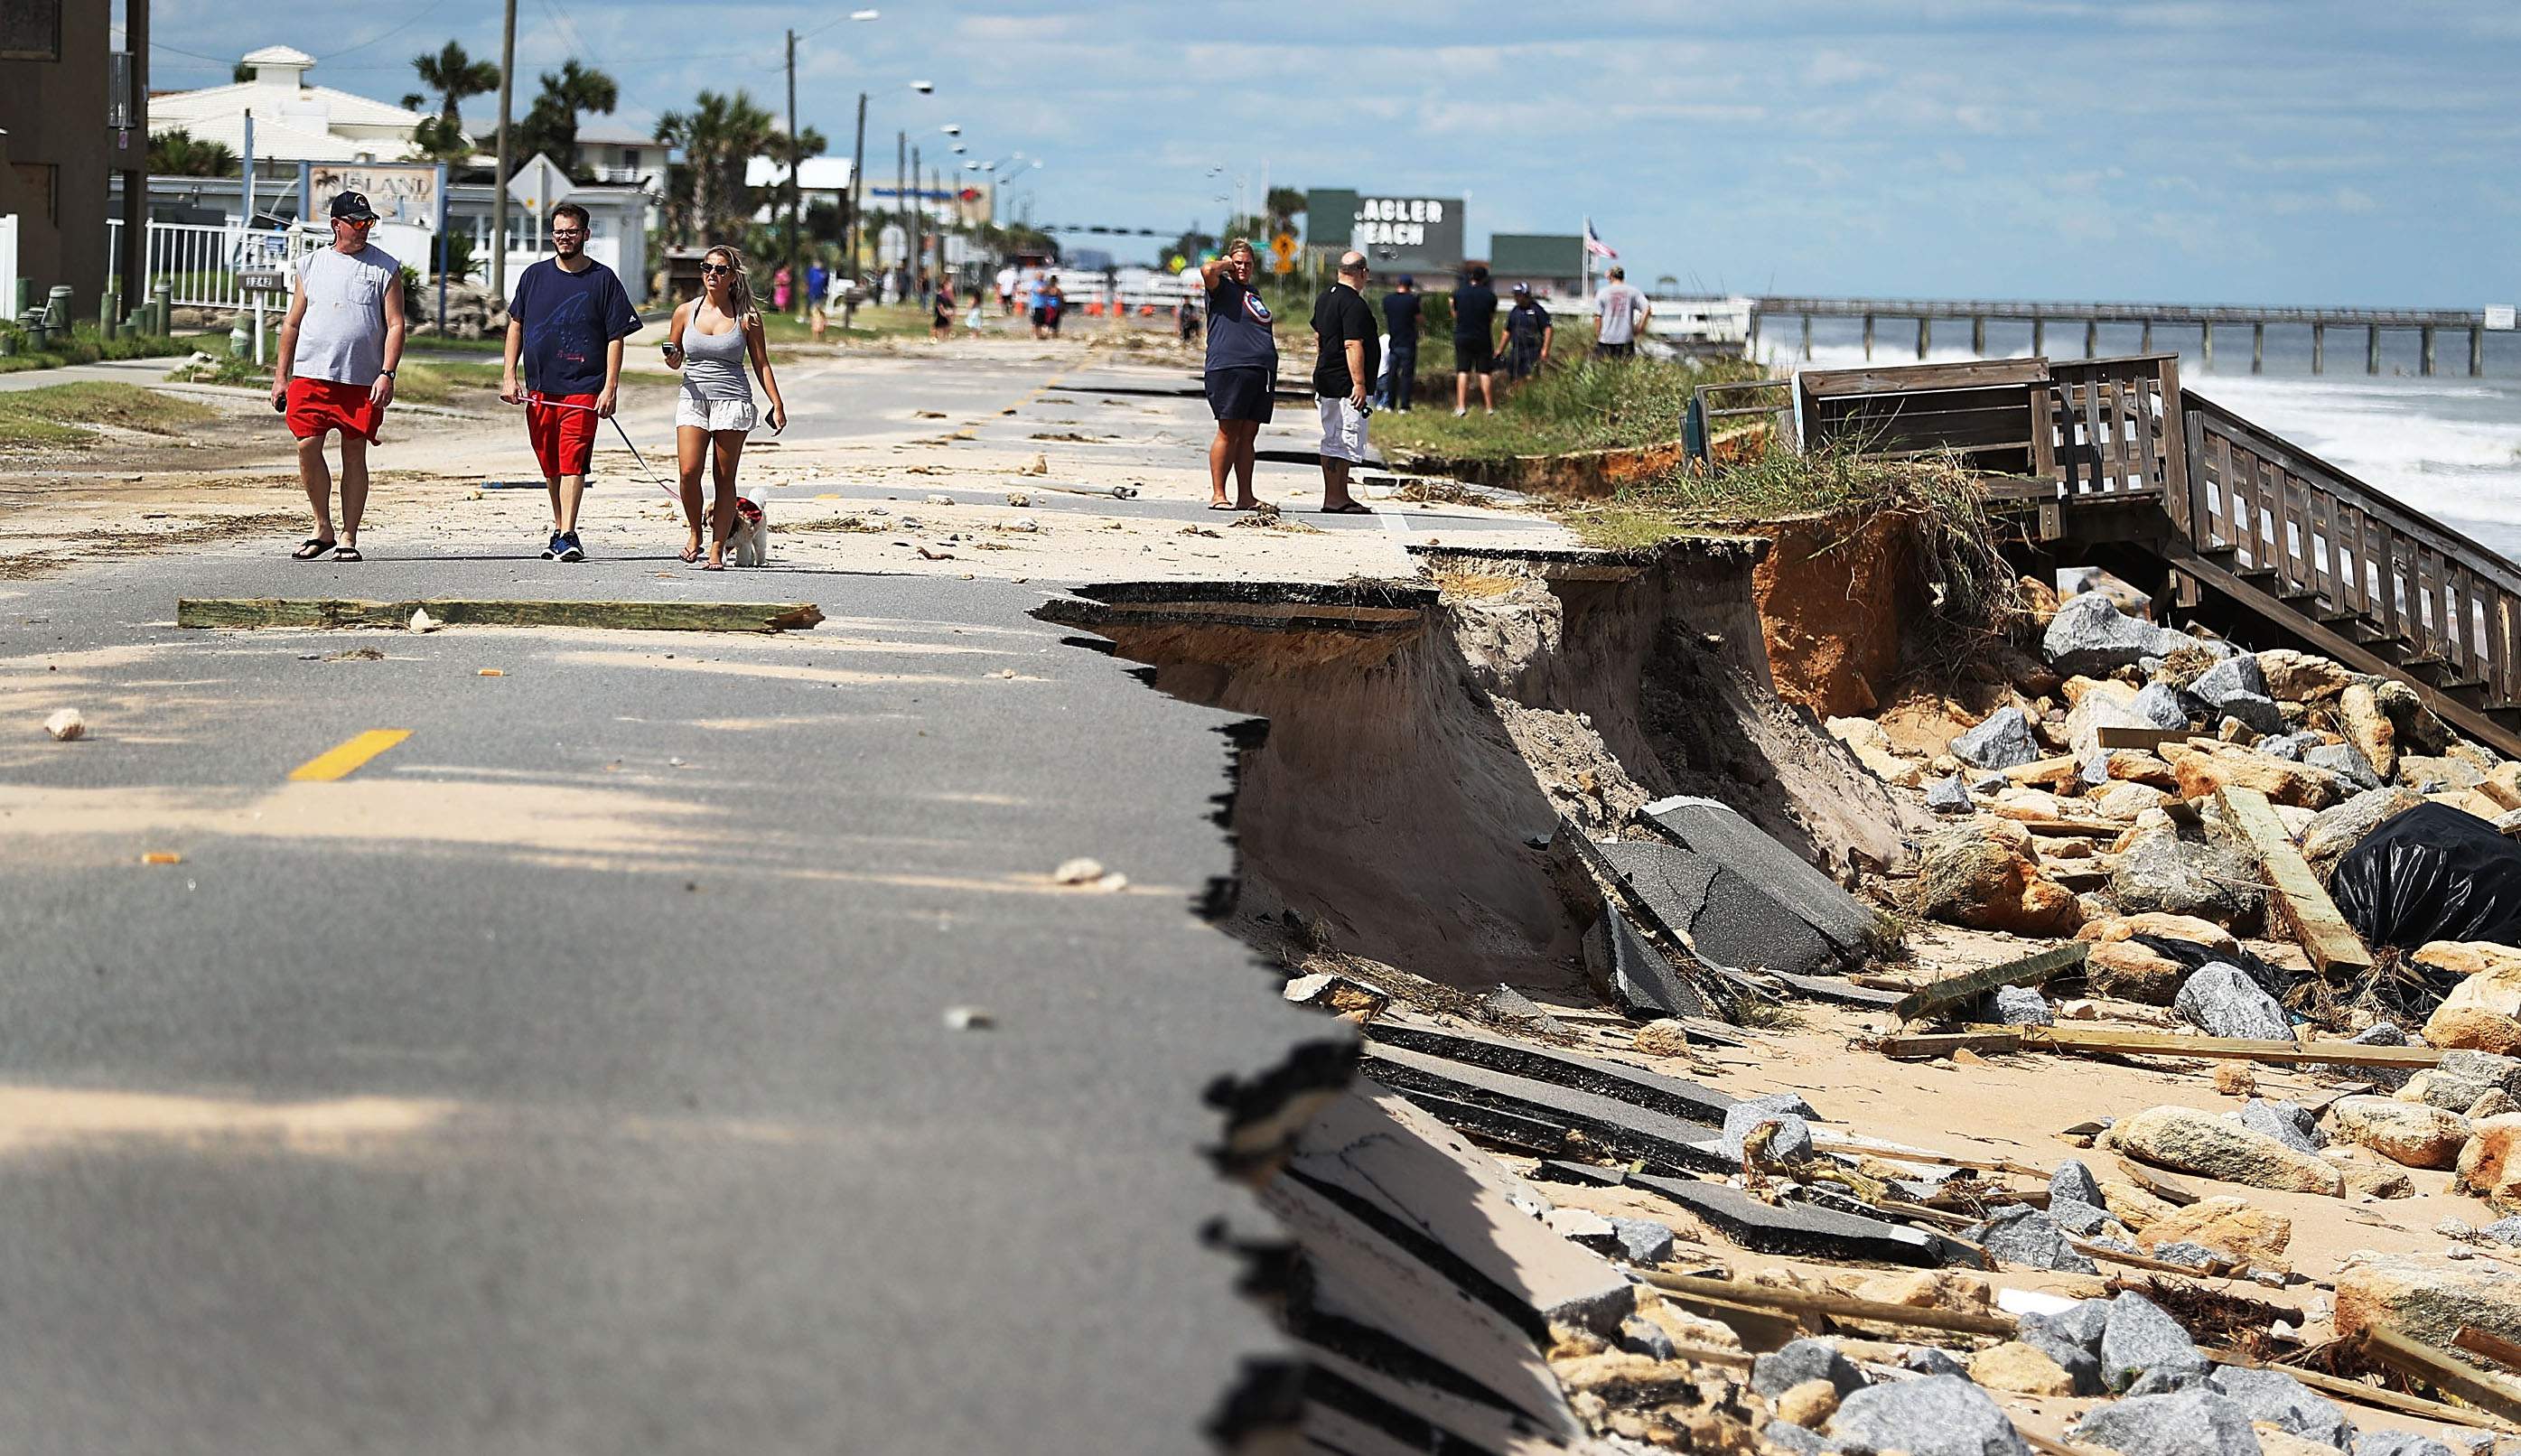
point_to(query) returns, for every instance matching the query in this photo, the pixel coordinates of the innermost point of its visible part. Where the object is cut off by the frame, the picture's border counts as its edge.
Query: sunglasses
(717, 268)
(357, 222)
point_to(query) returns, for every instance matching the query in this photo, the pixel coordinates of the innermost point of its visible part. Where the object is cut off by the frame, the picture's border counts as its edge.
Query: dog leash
(548, 403)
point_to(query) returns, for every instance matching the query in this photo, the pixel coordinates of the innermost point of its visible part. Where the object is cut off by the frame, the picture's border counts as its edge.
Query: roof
(278, 55)
(339, 107)
(1537, 254)
(278, 141)
(818, 174)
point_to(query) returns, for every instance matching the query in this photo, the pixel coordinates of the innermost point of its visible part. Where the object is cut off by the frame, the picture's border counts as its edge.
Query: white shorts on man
(1342, 430)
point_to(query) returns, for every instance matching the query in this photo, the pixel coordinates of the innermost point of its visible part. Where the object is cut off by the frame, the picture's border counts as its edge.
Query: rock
(1801, 1360)
(2090, 635)
(2021, 1369)
(1982, 877)
(2081, 1219)
(2431, 774)
(2275, 1441)
(2417, 728)
(2020, 1006)
(2159, 704)
(2071, 1337)
(2255, 711)
(1807, 1405)
(2190, 1255)
(2230, 678)
(2133, 1206)
(2235, 1079)
(2227, 1225)
(2427, 1297)
(1791, 1143)
(1937, 1415)
(2162, 927)
(2201, 773)
(2288, 1123)
(2504, 1231)
(1949, 796)
(2399, 1443)
(2289, 745)
(1643, 1241)
(65, 725)
(2026, 1236)
(2343, 760)
(2278, 1398)
(1925, 1359)
(1662, 1038)
(1930, 1289)
(1514, 1008)
(2407, 1133)
(2483, 1013)
(2074, 1181)
(2196, 1422)
(2159, 871)
(2364, 1180)
(2301, 677)
(2099, 704)
(2460, 1079)
(421, 621)
(2487, 1165)
(2123, 801)
(2224, 1001)
(1875, 750)
(2003, 740)
(1797, 1441)
(2185, 1140)
(2493, 1104)
(2360, 719)
(2344, 826)
(2140, 1340)
(1582, 1225)
(2131, 972)
(1642, 1336)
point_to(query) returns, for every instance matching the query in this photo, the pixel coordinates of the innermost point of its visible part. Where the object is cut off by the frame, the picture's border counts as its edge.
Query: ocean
(2448, 446)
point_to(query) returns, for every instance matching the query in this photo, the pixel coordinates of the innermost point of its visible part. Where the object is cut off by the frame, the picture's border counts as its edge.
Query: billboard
(1397, 232)
(405, 194)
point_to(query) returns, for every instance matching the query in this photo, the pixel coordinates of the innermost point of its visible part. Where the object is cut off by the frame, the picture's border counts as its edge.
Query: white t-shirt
(1618, 306)
(341, 336)
(1006, 280)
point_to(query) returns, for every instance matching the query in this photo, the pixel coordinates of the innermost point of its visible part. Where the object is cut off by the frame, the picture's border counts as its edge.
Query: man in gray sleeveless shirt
(338, 350)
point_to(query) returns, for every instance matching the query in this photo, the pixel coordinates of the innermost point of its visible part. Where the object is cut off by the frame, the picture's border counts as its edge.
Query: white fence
(200, 261)
(8, 267)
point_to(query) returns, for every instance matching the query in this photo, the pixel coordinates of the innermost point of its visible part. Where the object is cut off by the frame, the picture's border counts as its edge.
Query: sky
(2307, 151)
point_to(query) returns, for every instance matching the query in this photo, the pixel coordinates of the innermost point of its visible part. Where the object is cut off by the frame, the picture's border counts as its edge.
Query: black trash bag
(2431, 872)
(2192, 956)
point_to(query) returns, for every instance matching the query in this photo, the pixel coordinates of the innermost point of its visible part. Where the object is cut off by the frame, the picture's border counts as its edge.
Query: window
(631, 159)
(31, 31)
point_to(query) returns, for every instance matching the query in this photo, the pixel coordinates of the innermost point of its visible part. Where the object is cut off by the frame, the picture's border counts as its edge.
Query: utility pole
(499, 184)
(918, 221)
(857, 188)
(796, 164)
(900, 178)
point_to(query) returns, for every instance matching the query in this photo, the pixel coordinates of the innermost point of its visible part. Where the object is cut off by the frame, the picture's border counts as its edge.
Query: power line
(425, 13)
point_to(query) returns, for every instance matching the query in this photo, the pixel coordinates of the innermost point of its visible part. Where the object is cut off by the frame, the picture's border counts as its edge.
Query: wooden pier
(2427, 323)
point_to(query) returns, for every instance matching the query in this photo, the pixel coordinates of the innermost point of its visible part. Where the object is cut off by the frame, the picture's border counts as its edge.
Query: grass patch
(85, 345)
(53, 413)
(1578, 403)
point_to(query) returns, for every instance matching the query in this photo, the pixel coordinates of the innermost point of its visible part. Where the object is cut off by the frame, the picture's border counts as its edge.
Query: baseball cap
(1412, 282)
(352, 206)
(1523, 288)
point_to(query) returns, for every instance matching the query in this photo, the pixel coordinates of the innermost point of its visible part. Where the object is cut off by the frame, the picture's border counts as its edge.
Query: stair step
(2256, 575)
(2368, 633)
(2221, 556)
(2338, 617)
(2299, 595)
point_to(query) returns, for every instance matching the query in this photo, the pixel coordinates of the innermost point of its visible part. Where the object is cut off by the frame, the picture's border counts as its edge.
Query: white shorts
(713, 415)
(1342, 430)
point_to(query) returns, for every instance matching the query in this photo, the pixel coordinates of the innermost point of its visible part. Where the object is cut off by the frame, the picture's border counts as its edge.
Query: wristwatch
(387, 373)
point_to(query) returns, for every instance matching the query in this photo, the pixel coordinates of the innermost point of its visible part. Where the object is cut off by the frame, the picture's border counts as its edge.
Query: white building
(293, 122)
(822, 179)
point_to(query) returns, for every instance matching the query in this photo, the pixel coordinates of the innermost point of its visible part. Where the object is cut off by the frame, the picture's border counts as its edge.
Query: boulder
(2487, 1165)
(2288, 1123)
(2196, 1422)
(2133, 1206)
(2429, 774)
(2133, 972)
(2301, 677)
(2020, 1006)
(2158, 870)
(1643, 1241)
(2364, 1181)
(2223, 1001)
(2286, 1404)
(2427, 1297)
(2137, 766)
(1930, 1289)
(2341, 827)
(2123, 801)
(2341, 759)
(2226, 1225)
(2003, 740)
(1793, 1439)
(2071, 1337)
(2408, 1133)
(1937, 1415)
(2483, 1012)
(1807, 1405)
(1949, 796)
(1873, 749)
(2162, 925)
(2470, 957)
(1662, 1038)
(1983, 877)
(2097, 705)
(2029, 1237)
(2083, 1220)
(2256, 712)
(2460, 1079)
(2399, 1443)
(2289, 745)
(2201, 773)
(2074, 1181)
(2090, 635)
(2187, 1140)
(1801, 1360)
(2139, 1341)
(2020, 1368)
(2159, 704)
(2419, 729)
(2232, 676)
(1792, 1142)
(2360, 719)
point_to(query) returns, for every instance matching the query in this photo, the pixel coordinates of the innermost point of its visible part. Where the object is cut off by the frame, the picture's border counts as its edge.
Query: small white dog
(751, 540)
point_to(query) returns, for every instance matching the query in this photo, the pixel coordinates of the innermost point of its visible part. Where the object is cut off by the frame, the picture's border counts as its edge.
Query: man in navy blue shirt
(1401, 364)
(565, 327)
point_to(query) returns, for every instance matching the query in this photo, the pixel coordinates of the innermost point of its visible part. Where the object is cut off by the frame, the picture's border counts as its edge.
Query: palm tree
(455, 76)
(551, 124)
(719, 136)
(176, 154)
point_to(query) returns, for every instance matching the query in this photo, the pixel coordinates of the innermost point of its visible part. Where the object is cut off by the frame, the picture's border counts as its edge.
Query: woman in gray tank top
(710, 340)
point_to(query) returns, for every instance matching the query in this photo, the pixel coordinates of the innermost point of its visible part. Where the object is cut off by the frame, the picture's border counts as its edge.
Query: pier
(2427, 323)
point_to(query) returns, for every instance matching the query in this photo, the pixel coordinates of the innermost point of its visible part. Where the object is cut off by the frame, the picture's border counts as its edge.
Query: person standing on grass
(338, 348)
(1529, 330)
(818, 280)
(565, 328)
(1474, 308)
(1343, 323)
(1401, 319)
(1006, 288)
(1620, 313)
(708, 342)
(940, 312)
(1242, 373)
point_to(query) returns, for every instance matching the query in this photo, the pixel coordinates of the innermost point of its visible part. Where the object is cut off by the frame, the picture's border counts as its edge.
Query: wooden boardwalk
(2111, 461)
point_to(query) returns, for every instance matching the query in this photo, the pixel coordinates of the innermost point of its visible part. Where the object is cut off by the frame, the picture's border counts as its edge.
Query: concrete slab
(1718, 912)
(1796, 1230)
(1714, 829)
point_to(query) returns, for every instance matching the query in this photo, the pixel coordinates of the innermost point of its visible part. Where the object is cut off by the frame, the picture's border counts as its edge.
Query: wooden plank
(1831, 1307)
(2391, 593)
(2129, 1042)
(2324, 934)
(2160, 1184)
(1930, 1045)
(2141, 422)
(2147, 739)
(2422, 1361)
(2490, 1344)
(2029, 971)
(2041, 769)
(1828, 383)
(2090, 400)
(647, 617)
(2177, 437)
(2044, 430)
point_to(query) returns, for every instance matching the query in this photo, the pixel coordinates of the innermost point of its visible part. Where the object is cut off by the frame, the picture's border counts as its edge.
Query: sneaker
(570, 550)
(1459, 413)
(552, 548)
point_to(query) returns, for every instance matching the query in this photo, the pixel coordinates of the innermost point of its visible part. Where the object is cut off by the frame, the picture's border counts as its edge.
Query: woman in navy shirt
(1242, 373)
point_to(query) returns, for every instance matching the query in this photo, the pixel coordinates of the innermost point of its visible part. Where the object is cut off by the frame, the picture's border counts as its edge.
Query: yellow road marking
(344, 760)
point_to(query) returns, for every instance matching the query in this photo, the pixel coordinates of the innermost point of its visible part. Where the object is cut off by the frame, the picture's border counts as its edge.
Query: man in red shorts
(565, 326)
(338, 348)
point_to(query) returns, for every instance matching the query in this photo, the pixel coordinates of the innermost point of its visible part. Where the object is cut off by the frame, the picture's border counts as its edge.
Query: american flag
(1595, 244)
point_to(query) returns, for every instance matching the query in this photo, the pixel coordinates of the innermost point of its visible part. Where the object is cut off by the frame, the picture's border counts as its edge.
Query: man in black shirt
(1400, 321)
(1528, 332)
(1475, 308)
(1345, 326)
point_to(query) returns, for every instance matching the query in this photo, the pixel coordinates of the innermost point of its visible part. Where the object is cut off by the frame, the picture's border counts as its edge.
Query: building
(1553, 263)
(1397, 232)
(293, 122)
(821, 180)
(74, 115)
(616, 154)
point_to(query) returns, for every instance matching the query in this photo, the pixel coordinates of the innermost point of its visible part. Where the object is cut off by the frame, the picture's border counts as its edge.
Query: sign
(261, 262)
(2499, 315)
(892, 245)
(539, 185)
(1282, 249)
(1397, 231)
(404, 193)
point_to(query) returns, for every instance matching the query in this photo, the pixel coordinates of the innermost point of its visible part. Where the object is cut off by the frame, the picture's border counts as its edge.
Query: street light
(924, 88)
(951, 130)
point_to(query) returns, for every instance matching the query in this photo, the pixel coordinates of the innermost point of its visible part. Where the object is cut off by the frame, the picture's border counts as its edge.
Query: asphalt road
(575, 1074)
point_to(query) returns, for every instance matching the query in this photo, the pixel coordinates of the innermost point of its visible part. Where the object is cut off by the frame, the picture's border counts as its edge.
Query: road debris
(65, 724)
(1088, 874)
(161, 857)
(969, 1019)
(421, 621)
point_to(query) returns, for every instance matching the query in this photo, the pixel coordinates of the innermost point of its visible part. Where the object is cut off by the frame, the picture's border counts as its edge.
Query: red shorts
(563, 439)
(318, 405)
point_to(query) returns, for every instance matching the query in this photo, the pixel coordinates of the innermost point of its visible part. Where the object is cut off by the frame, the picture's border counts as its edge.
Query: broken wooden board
(640, 617)
(1622, 1129)
(1953, 991)
(1795, 1230)
(1421, 1185)
(1833, 1307)
(2490, 1346)
(1628, 1084)
(2147, 739)
(2335, 950)
(1926, 1046)
(2120, 1041)
(2420, 1361)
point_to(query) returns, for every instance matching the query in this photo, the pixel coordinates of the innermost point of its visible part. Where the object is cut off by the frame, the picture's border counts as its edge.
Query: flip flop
(348, 554)
(1353, 508)
(691, 553)
(1224, 506)
(314, 547)
(713, 566)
